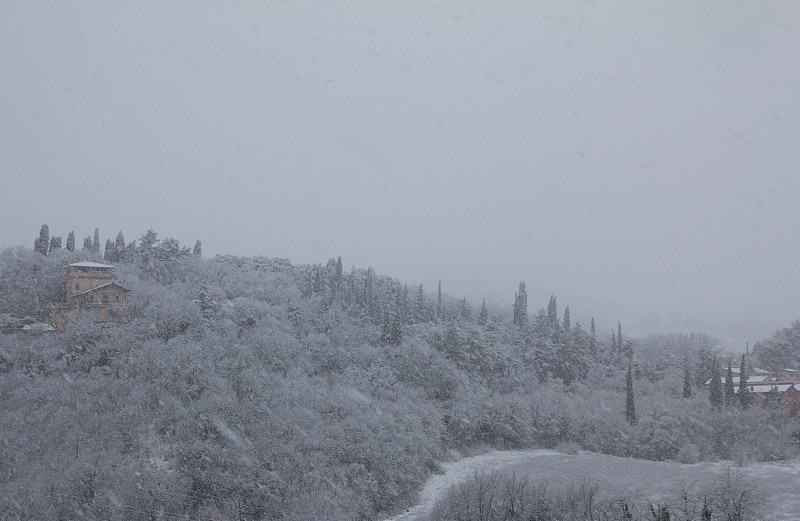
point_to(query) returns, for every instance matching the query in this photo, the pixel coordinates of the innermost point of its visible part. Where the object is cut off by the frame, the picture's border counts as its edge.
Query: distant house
(768, 389)
(786, 394)
(90, 289)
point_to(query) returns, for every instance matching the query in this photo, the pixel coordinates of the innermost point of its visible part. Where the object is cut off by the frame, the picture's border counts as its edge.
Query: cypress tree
(744, 389)
(705, 362)
(119, 243)
(419, 308)
(71, 241)
(198, 249)
(55, 243)
(593, 340)
(96, 241)
(521, 309)
(87, 243)
(108, 254)
(119, 247)
(370, 295)
(687, 380)
(729, 389)
(552, 311)
(715, 387)
(339, 275)
(43, 243)
(209, 308)
(392, 334)
(630, 407)
(567, 323)
(483, 316)
(613, 342)
(464, 310)
(439, 302)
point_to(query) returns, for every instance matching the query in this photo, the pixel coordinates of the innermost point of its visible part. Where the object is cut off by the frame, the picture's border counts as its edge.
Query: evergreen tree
(439, 309)
(613, 342)
(392, 332)
(42, 244)
(119, 243)
(464, 310)
(567, 321)
(552, 312)
(744, 389)
(630, 407)
(71, 241)
(729, 389)
(55, 243)
(119, 247)
(593, 340)
(108, 253)
(483, 316)
(419, 307)
(208, 307)
(198, 249)
(705, 357)
(338, 279)
(403, 306)
(687, 380)
(715, 387)
(96, 241)
(521, 307)
(87, 243)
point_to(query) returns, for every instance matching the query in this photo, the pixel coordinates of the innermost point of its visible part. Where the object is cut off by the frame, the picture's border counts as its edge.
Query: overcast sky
(640, 159)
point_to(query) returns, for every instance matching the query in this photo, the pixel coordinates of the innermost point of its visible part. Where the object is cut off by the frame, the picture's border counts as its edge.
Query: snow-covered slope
(778, 482)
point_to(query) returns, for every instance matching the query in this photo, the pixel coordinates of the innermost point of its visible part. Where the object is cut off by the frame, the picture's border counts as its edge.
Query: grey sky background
(639, 159)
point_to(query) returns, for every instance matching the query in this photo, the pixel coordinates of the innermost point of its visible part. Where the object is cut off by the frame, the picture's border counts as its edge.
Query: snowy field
(779, 483)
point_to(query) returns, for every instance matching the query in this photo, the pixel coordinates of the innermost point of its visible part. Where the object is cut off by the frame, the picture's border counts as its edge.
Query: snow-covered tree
(730, 397)
(630, 406)
(715, 386)
(483, 315)
(520, 318)
(42, 244)
(744, 388)
(96, 241)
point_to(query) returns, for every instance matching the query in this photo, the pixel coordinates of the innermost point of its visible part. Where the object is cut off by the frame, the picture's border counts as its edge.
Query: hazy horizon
(638, 159)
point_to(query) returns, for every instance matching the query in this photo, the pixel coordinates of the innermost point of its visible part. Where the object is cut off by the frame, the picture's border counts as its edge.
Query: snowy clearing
(778, 482)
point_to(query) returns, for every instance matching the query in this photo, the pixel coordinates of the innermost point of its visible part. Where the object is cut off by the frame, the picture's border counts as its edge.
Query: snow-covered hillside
(777, 482)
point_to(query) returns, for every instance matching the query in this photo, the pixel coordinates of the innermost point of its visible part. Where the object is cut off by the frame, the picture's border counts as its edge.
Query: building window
(116, 298)
(91, 299)
(77, 286)
(105, 299)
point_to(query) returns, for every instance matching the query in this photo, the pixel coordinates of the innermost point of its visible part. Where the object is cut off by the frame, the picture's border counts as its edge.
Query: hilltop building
(90, 288)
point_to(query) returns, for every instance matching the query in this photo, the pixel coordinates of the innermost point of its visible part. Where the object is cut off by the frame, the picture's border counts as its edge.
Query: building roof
(101, 287)
(88, 264)
(766, 388)
(761, 378)
(38, 326)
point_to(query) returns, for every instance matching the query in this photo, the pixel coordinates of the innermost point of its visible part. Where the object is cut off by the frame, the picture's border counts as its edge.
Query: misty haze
(399, 261)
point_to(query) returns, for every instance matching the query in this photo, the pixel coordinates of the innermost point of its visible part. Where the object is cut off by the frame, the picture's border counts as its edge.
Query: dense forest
(252, 388)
